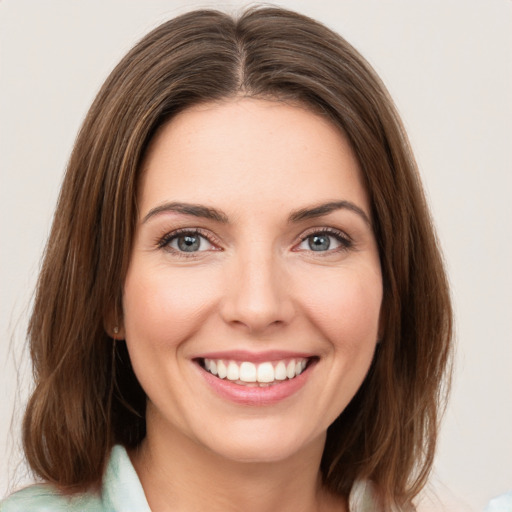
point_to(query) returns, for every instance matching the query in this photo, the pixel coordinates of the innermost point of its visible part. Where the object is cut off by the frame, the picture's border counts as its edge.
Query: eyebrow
(195, 210)
(326, 208)
(214, 214)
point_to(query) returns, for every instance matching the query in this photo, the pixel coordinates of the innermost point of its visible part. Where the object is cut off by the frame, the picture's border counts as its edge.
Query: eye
(186, 241)
(324, 241)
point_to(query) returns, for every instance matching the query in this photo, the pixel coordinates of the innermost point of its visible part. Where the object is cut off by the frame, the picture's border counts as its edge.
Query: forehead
(250, 153)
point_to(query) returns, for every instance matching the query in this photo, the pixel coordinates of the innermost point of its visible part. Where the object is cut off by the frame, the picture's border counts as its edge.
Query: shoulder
(44, 497)
(121, 492)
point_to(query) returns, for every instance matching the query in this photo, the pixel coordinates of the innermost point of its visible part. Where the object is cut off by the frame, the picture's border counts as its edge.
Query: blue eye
(186, 242)
(319, 242)
(324, 241)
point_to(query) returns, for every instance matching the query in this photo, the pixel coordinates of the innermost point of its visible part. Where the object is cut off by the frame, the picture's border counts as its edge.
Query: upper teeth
(246, 371)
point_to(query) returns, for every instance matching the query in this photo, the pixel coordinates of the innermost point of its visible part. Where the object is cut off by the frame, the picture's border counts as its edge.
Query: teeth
(233, 372)
(290, 369)
(264, 373)
(280, 371)
(222, 371)
(248, 372)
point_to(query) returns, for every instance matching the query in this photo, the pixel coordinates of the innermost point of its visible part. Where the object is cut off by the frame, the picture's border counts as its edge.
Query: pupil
(319, 243)
(188, 243)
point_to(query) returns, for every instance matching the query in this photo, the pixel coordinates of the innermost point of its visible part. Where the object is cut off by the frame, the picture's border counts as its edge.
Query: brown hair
(86, 396)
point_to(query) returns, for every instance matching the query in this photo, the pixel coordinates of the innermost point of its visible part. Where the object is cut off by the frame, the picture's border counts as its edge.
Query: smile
(261, 374)
(255, 380)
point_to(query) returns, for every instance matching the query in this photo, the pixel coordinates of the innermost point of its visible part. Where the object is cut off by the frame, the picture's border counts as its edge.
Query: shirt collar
(122, 490)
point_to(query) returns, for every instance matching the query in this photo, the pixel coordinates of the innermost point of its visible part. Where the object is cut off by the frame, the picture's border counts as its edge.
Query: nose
(257, 296)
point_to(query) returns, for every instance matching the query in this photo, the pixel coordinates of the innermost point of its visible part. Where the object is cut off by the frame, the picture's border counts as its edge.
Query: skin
(254, 284)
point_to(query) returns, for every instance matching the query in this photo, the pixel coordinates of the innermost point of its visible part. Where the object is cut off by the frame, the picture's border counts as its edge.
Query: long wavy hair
(86, 397)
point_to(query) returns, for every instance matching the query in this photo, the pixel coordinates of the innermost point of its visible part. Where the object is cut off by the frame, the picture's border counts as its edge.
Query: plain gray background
(447, 64)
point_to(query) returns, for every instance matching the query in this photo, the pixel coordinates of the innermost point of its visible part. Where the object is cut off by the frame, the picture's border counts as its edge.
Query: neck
(180, 475)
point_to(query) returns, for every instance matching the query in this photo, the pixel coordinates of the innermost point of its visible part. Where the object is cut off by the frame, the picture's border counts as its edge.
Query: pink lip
(254, 357)
(255, 395)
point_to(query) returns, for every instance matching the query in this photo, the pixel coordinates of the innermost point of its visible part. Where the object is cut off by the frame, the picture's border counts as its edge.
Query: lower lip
(255, 395)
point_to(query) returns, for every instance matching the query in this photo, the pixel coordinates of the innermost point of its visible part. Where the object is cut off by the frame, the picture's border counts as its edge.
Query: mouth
(261, 374)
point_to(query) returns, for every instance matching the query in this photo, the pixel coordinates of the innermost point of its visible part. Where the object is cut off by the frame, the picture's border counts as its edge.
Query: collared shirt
(122, 492)
(501, 503)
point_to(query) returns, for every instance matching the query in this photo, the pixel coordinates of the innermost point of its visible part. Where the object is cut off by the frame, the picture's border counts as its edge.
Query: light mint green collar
(122, 490)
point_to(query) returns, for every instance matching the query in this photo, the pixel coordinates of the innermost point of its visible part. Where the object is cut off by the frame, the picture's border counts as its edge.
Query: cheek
(164, 306)
(345, 307)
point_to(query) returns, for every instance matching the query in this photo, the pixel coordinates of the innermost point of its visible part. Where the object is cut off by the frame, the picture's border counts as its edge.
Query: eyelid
(162, 242)
(325, 230)
(344, 239)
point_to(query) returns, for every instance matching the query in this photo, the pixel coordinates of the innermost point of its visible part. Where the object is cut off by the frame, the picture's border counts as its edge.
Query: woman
(242, 303)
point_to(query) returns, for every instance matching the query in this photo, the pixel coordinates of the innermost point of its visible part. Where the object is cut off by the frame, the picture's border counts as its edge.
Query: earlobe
(113, 325)
(116, 332)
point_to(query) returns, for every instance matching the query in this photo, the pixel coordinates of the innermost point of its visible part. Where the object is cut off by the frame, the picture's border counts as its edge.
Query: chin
(262, 446)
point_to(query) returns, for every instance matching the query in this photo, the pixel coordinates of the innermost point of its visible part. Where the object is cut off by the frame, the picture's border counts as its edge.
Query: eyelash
(164, 242)
(345, 241)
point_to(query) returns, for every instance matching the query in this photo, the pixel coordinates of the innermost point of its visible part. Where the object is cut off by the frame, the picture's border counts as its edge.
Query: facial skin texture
(254, 285)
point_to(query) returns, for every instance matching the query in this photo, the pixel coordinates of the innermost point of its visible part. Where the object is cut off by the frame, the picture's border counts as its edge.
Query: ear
(113, 324)
(116, 331)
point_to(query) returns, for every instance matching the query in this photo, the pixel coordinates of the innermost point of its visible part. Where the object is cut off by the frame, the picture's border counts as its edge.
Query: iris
(319, 242)
(189, 243)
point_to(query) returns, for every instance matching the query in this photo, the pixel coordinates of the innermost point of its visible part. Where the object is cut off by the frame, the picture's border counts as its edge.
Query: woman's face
(251, 304)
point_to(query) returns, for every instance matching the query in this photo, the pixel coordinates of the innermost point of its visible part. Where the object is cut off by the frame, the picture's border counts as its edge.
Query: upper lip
(254, 357)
